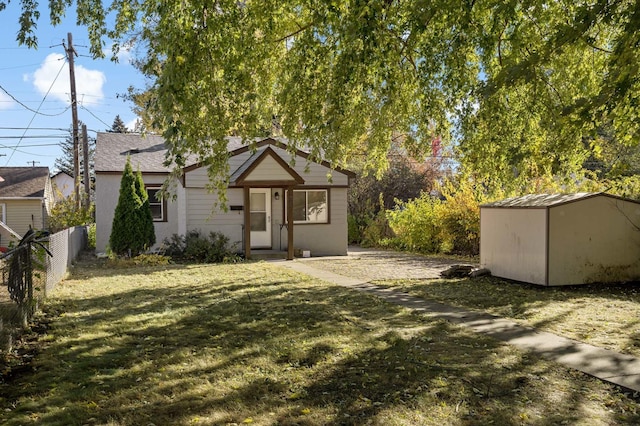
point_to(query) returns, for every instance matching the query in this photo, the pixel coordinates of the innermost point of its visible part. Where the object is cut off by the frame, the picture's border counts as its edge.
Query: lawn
(603, 315)
(254, 343)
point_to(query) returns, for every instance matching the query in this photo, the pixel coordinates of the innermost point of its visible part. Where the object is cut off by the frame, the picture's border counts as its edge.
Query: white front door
(260, 209)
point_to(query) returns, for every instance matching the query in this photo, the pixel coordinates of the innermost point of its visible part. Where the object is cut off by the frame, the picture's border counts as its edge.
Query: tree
(517, 86)
(132, 228)
(118, 126)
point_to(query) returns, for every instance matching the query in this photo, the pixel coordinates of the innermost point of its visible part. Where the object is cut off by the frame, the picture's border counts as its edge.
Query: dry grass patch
(257, 344)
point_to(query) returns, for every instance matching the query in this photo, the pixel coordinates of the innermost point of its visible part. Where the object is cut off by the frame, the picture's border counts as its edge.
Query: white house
(562, 239)
(63, 185)
(276, 200)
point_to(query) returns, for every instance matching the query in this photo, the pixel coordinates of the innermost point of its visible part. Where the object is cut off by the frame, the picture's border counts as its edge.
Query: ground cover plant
(253, 343)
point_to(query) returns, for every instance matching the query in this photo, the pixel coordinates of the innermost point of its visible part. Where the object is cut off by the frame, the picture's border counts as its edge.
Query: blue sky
(39, 81)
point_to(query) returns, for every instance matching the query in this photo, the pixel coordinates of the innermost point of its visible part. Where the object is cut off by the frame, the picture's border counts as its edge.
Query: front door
(260, 209)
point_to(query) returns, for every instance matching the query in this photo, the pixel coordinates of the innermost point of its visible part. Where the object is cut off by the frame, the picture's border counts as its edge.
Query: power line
(95, 116)
(35, 113)
(35, 137)
(41, 102)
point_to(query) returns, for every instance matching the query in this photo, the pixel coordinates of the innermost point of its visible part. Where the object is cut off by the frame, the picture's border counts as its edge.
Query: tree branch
(296, 32)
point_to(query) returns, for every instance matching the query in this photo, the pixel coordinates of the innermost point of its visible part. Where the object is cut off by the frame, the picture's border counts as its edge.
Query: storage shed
(561, 239)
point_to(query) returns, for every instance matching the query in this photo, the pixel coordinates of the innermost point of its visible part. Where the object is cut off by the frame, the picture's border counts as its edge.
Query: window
(310, 206)
(3, 213)
(156, 205)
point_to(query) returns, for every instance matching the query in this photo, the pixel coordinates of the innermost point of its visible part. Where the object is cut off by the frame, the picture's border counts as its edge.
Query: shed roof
(29, 182)
(543, 200)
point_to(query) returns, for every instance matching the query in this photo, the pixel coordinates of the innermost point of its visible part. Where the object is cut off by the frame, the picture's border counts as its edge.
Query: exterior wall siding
(513, 243)
(268, 169)
(594, 240)
(22, 214)
(201, 214)
(107, 192)
(324, 239)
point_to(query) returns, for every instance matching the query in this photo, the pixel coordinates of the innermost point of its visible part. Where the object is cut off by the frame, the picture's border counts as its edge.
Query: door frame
(261, 239)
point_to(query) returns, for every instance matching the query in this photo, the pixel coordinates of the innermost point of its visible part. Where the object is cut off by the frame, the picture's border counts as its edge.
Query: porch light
(276, 195)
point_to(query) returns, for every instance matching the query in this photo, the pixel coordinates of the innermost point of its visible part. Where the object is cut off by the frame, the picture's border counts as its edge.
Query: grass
(254, 343)
(603, 315)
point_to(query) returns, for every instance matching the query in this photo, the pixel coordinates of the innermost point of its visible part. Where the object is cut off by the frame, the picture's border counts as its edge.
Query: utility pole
(33, 163)
(85, 160)
(74, 116)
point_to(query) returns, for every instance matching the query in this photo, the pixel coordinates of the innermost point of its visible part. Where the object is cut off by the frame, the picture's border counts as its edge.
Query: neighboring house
(26, 198)
(274, 203)
(561, 239)
(62, 186)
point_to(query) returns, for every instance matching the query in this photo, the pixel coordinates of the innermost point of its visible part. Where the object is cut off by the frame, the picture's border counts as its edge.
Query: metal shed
(562, 239)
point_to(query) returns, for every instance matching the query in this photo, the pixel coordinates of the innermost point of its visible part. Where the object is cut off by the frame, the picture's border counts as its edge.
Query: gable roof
(244, 173)
(149, 152)
(541, 201)
(19, 182)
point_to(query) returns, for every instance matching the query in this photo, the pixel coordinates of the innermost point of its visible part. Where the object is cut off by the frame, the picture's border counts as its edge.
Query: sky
(35, 114)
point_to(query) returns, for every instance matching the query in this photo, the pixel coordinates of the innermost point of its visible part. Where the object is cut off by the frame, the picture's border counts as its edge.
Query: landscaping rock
(480, 272)
(457, 271)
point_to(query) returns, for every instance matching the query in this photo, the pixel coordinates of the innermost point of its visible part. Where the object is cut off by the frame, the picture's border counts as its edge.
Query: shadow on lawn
(285, 351)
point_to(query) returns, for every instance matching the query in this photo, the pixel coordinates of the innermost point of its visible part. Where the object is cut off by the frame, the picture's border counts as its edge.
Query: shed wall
(594, 240)
(513, 243)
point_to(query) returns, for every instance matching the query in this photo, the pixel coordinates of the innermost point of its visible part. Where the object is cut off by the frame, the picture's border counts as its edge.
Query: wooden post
(290, 223)
(85, 160)
(247, 223)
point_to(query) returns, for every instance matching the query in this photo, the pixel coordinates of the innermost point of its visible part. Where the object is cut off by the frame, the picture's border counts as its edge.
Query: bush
(415, 224)
(459, 219)
(91, 236)
(65, 214)
(200, 248)
(430, 225)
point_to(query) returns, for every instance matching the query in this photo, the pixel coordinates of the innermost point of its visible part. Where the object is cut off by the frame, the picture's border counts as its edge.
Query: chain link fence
(30, 272)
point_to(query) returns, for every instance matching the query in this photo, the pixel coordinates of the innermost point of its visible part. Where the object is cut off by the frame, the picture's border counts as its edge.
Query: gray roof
(542, 200)
(147, 152)
(23, 181)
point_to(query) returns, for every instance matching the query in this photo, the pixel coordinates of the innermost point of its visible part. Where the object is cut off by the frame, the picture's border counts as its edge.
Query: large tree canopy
(520, 87)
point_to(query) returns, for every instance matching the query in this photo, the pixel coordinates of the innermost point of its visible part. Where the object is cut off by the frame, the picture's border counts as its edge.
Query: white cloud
(50, 78)
(131, 125)
(5, 101)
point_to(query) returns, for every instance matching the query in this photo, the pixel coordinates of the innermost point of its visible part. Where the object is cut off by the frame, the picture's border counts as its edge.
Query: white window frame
(155, 202)
(3, 206)
(306, 191)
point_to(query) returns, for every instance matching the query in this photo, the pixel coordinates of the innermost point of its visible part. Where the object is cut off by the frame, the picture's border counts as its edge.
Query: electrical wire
(34, 115)
(33, 110)
(95, 116)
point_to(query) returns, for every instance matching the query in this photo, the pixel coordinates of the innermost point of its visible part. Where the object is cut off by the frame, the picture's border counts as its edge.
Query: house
(63, 185)
(561, 239)
(276, 200)
(26, 198)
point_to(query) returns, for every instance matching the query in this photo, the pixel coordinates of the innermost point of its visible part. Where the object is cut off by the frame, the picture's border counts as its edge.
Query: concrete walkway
(619, 369)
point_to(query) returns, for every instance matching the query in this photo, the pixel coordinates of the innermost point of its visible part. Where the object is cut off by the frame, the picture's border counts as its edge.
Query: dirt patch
(375, 265)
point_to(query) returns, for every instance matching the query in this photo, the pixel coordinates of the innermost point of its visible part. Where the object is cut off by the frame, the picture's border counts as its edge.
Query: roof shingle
(23, 181)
